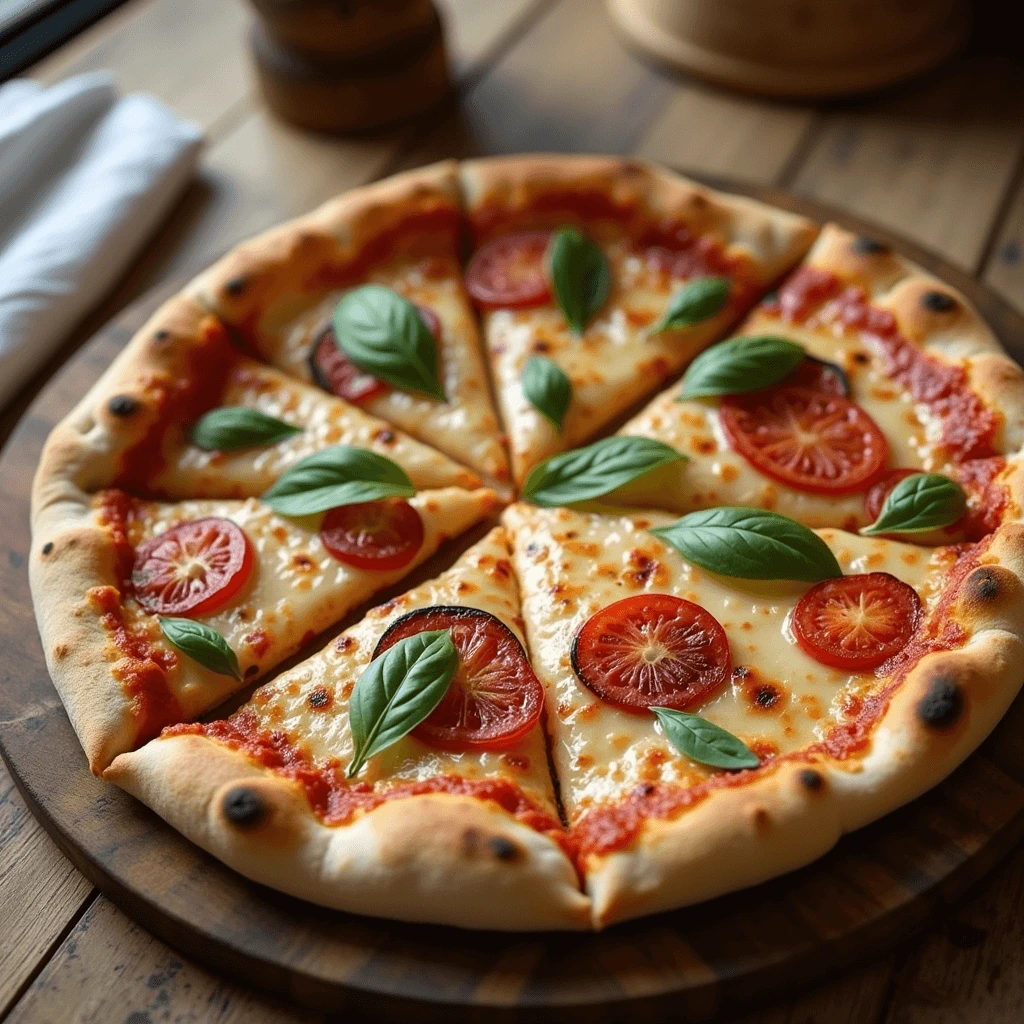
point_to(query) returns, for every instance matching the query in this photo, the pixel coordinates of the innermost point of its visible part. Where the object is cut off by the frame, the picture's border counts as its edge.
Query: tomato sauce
(819, 299)
(606, 829)
(335, 800)
(116, 511)
(142, 669)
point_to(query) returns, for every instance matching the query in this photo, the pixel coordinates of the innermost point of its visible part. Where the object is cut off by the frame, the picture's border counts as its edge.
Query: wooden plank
(1004, 272)
(189, 53)
(932, 162)
(969, 967)
(40, 892)
(109, 969)
(704, 130)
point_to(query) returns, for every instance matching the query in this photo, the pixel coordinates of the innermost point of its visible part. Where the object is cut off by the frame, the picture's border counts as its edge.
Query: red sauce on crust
(987, 498)
(141, 670)
(116, 511)
(818, 299)
(335, 801)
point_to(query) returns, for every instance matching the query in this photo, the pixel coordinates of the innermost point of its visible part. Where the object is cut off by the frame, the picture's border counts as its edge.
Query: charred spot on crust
(811, 779)
(122, 405)
(504, 849)
(942, 705)
(235, 286)
(47, 547)
(319, 699)
(866, 246)
(983, 584)
(243, 807)
(161, 335)
(938, 302)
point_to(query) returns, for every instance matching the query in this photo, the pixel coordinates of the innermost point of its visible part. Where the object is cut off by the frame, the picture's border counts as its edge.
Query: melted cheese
(296, 589)
(570, 565)
(611, 367)
(716, 475)
(483, 579)
(325, 420)
(465, 426)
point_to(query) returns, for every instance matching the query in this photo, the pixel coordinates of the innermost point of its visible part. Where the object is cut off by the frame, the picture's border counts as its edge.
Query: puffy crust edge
(775, 238)
(436, 858)
(785, 819)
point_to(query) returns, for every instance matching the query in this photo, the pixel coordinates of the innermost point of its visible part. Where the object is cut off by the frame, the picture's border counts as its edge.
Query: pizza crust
(436, 858)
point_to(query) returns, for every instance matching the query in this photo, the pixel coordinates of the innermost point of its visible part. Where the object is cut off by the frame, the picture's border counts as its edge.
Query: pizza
(682, 648)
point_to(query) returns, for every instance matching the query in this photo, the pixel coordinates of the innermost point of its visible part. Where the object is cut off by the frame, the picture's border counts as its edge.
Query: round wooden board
(876, 887)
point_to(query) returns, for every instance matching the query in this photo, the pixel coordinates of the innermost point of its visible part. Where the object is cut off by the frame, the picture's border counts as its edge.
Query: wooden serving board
(874, 889)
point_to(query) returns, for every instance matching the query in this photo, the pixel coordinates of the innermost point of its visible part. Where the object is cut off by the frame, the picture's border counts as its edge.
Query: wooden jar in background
(795, 48)
(349, 66)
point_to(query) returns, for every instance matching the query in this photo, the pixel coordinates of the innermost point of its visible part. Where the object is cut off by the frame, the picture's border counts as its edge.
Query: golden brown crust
(439, 858)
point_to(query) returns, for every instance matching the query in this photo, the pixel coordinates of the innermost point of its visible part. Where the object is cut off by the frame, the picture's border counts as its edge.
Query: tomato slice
(336, 373)
(495, 699)
(856, 622)
(822, 376)
(806, 438)
(194, 568)
(381, 535)
(652, 649)
(879, 491)
(511, 270)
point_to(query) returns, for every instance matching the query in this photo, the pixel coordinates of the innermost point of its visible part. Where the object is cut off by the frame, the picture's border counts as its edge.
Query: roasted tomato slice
(495, 699)
(806, 438)
(856, 622)
(336, 373)
(822, 376)
(652, 649)
(879, 491)
(511, 270)
(192, 569)
(381, 535)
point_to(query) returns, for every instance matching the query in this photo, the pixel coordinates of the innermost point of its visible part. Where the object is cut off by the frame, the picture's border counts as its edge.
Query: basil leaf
(697, 300)
(202, 644)
(383, 334)
(235, 426)
(741, 364)
(335, 476)
(548, 389)
(752, 544)
(398, 690)
(704, 741)
(579, 277)
(587, 473)
(924, 501)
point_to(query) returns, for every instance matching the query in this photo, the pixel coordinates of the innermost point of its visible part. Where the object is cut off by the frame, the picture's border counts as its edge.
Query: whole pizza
(729, 501)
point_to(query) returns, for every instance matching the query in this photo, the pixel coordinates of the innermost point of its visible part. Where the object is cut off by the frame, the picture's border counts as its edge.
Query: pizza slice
(598, 278)
(455, 822)
(364, 297)
(153, 613)
(182, 413)
(788, 713)
(859, 372)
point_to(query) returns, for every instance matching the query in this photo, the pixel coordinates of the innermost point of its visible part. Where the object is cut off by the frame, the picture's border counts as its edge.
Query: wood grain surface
(913, 149)
(864, 897)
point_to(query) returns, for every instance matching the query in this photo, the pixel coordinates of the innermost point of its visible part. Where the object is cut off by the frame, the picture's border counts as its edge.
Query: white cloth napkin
(84, 178)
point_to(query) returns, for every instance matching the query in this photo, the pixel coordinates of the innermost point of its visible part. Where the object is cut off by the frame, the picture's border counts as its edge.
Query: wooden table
(941, 162)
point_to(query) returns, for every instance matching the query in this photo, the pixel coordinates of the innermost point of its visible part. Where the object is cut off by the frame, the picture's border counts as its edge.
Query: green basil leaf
(335, 476)
(741, 364)
(235, 426)
(752, 544)
(704, 741)
(383, 334)
(924, 501)
(579, 277)
(697, 300)
(548, 389)
(398, 690)
(202, 644)
(587, 473)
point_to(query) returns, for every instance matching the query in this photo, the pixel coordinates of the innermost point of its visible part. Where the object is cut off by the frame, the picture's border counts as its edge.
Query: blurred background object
(349, 66)
(796, 48)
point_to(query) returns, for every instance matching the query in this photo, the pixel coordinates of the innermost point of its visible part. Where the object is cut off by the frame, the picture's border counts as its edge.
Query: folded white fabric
(85, 177)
